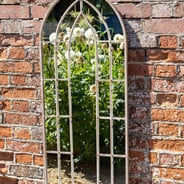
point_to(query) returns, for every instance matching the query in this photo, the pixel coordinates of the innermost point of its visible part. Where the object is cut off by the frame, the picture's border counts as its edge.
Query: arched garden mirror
(84, 80)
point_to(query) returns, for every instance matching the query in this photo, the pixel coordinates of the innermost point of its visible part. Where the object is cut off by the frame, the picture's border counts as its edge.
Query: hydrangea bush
(87, 52)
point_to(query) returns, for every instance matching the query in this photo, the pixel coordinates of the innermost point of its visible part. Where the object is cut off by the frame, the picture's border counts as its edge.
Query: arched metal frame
(111, 118)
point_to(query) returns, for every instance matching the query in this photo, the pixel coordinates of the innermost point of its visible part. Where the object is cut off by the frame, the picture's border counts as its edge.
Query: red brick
(136, 155)
(19, 93)
(168, 42)
(5, 105)
(167, 145)
(23, 158)
(165, 85)
(38, 160)
(182, 160)
(20, 146)
(137, 55)
(6, 156)
(18, 80)
(21, 119)
(7, 180)
(22, 133)
(153, 158)
(181, 71)
(181, 41)
(175, 173)
(169, 159)
(3, 169)
(16, 40)
(165, 129)
(172, 115)
(140, 70)
(38, 11)
(4, 79)
(23, 67)
(161, 10)
(168, 100)
(165, 71)
(20, 106)
(16, 53)
(163, 26)
(14, 11)
(36, 67)
(139, 10)
(178, 9)
(3, 53)
(181, 102)
(5, 131)
(2, 144)
(165, 55)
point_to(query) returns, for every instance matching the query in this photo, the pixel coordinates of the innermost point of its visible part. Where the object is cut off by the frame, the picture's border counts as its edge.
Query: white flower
(78, 54)
(121, 46)
(89, 34)
(93, 88)
(78, 32)
(68, 30)
(90, 42)
(69, 54)
(52, 37)
(118, 38)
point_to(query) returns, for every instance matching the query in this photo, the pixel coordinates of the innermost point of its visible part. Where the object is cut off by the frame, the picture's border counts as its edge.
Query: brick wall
(155, 31)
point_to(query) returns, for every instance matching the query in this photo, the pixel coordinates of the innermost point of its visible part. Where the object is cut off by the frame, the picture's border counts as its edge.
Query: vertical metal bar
(57, 112)
(111, 115)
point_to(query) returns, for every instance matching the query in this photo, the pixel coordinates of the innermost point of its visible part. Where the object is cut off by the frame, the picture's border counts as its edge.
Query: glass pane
(119, 136)
(64, 135)
(51, 133)
(104, 126)
(63, 98)
(105, 170)
(104, 99)
(119, 99)
(52, 169)
(49, 97)
(119, 171)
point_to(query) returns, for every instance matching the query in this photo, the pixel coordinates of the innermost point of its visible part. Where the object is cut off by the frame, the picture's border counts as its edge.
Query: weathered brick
(38, 11)
(140, 70)
(180, 70)
(3, 53)
(163, 26)
(2, 144)
(21, 119)
(23, 158)
(136, 55)
(18, 80)
(165, 55)
(11, 26)
(31, 26)
(5, 131)
(167, 145)
(167, 100)
(172, 115)
(168, 41)
(162, 10)
(38, 160)
(166, 129)
(19, 93)
(16, 53)
(23, 146)
(137, 10)
(4, 79)
(136, 155)
(5, 105)
(176, 173)
(22, 133)
(165, 71)
(6, 156)
(169, 159)
(20, 106)
(7, 180)
(178, 9)
(181, 102)
(14, 11)
(16, 40)
(153, 158)
(27, 171)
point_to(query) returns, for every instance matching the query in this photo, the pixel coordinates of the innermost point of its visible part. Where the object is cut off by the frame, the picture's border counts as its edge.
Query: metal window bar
(98, 117)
